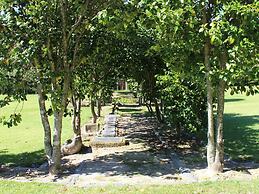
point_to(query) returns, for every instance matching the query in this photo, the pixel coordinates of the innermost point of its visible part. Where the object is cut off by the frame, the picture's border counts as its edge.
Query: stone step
(108, 133)
(111, 119)
(108, 141)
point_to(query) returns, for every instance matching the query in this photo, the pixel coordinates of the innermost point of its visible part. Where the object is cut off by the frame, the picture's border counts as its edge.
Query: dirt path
(148, 159)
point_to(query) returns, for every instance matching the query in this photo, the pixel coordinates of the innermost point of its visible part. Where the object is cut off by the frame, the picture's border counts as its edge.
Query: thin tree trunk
(211, 137)
(219, 158)
(162, 110)
(56, 156)
(45, 123)
(140, 101)
(94, 115)
(150, 106)
(60, 105)
(44, 116)
(76, 120)
(99, 107)
(74, 146)
(158, 112)
(178, 129)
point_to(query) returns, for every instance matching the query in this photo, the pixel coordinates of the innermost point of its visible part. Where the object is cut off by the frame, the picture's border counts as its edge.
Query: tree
(103, 58)
(224, 36)
(47, 36)
(228, 51)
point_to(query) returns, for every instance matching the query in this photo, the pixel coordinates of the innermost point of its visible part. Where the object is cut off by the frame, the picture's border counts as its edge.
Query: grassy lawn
(10, 187)
(241, 128)
(23, 144)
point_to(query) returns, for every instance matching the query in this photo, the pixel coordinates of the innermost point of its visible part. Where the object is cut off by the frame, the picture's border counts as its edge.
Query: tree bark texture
(43, 114)
(56, 154)
(62, 91)
(99, 107)
(76, 119)
(210, 134)
(94, 115)
(219, 158)
(158, 112)
(211, 137)
(74, 146)
(45, 123)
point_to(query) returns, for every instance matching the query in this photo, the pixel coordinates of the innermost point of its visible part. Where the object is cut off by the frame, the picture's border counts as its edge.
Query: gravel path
(148, 159)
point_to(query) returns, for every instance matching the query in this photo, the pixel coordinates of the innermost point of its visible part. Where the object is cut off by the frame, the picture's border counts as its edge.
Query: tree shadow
(241, 137)
(129, 110)
(234, 100)
(129, 105)
(3, 151)
(149, 161)
(25, 159)
(128, 164)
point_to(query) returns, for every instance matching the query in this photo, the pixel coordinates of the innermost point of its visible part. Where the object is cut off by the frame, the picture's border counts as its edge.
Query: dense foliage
(183, 55)
(184, 103)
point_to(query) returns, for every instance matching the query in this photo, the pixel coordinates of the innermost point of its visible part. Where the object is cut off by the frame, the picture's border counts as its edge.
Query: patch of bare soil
(150, 158)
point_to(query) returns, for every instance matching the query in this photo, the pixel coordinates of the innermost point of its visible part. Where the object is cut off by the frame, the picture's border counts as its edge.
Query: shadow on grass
(241, 137)
(234, 100)
(4, 151)
(129, 110)
(129, 105)
(25, 159)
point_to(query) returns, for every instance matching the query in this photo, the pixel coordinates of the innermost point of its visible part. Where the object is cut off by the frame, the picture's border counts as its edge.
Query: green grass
(230, 187)
(241, 127)
(23, 144)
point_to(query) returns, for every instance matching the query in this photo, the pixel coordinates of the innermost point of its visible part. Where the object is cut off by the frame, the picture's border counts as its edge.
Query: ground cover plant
(22, 145)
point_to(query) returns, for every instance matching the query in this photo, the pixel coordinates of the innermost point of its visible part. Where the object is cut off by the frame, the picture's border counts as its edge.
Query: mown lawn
(23, 144)
(241, 129)
(230, 187)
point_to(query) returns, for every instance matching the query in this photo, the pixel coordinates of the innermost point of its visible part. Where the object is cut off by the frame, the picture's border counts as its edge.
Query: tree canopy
(183, 54)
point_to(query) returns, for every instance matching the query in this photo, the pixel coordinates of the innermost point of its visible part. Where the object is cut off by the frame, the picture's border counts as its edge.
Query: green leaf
(231, 40)
(148, 13)
(212, 40)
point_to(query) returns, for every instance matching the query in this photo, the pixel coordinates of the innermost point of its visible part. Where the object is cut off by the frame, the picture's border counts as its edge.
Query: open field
(10, 187)
(241, 127)
(23, 144)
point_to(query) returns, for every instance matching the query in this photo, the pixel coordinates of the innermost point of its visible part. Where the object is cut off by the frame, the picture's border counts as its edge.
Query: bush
(184, 102)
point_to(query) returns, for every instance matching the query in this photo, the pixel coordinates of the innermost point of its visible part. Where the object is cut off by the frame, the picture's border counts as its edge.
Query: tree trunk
(76, 119)
(178, 130)
(149, 107)
(219, 158)
(162, 109)
(99, 107)
(45, 123)
(55, 166)
(94, 115)
(158, 112)
(44, 116)
(140, 101)
(74, 146)
(211, 137)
